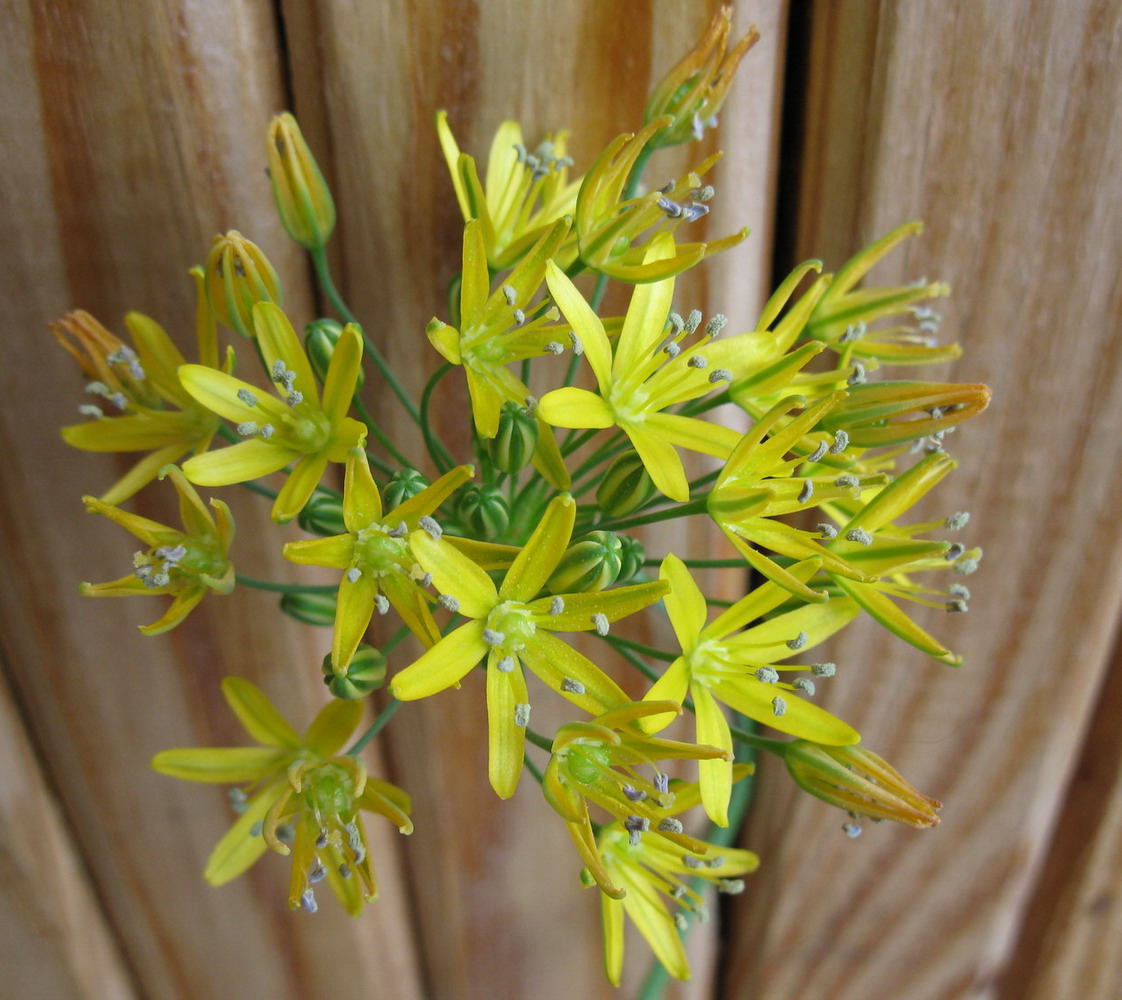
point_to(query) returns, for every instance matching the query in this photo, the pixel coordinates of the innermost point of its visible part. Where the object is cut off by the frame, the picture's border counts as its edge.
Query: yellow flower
(142, 385)
(645, 377)
(186, 564)
(494, 332)
(656, 876)
(510, 626)
(739, 669)
(303, 785)
(693, 91)
(860, 782)
(238, 276)
(599, 762)
(297, 427)
(376, 556)
(607, 225)
(302, 195)
(525, 193)
(843, 315)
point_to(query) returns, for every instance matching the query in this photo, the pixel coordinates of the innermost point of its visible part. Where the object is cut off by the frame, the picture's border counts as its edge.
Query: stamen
(317, 874)
(720, 375)
(806, 685)
(681, 923)
(522, 715)
(89, 410)
(321, 840)
(819, 453)
(493, 637)
(429, 524)
(267, 431)
(694, 210)
(671, 825)
(957, 605)
(519, 317)
(448, 602)
(960, 591)
(966, 566)
(381, 603)
(731, 886)
(823, 669)
(705, 193)
(677, 324)
(697, 361)
(778, 706)
(672, 349)
(807, 491)
(238, 800)
(294, 398)
(578, 347)
(854, 331)
(851, 830)
(662, 783)
(354, 574)
(509, 294)
(693, 321)
(958, 520)
(633, 793)
(247, 428)
(672, 209)
(847, 482)
(956, 550)
(691, 862)
(841, 441)
(557, 605)
(247, 397)
(636, 826)
(858, 376)
(859, 535)
(767, 675)
(798, 642)
(344, 870)
(600, 623)
(716, 324)
(555, 347)
(506, 664)
(570, 685)
(308, 901)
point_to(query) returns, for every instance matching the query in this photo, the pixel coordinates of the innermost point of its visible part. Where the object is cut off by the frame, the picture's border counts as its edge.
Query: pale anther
(819, 453)
(706, 192)
(841, 441)
(317, 874)
(676, 323)
(845, 482)
(238, 800)
(958, 520)
(697, 361)
(382, 604)
(89, 410)
(672, 209)
(662, 783)
(506, 664)
(578, 347)
(715, 325)
(344, 870)
(807, 491)
(522, 714)
(767, 675)
(958, 604)
(557, 605)
(354, 574)
(681, 923)
(851, 830)
(247, 397)
(570, 685)
(255, 830)
(600, 623)
(672, 349)
(778, 706)
(294, 398)
(636, 826)
(853, 332)
(823, 669)
(720, 375)
(429, 524)
(308, 901)
(693, 321)
(671, 825)
(966, 566)
(806, 685)
(448, 602)
(859, 535)
(509, 294)
(694, 210)
(321, 840)
(400, 531)
(956, 550)
(960, 591)
(519, 317)
(691, 862)
(858, 376)
(267, 431)
(493, 637)
(798, 642)
(731, 886)
(633, 793)
(248, 428)
(555, 347)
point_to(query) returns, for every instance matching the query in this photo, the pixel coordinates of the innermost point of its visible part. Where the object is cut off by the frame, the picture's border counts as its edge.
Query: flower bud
(323, 515)
(626, 486)
(589, 564)
(887, 413)
(320, 338)
(303, 198)
(311, 609)
(484, 511)
(403, 484)
(517, 437)
(238, 276)
(632, 555)
(858, 781)
(366, 673)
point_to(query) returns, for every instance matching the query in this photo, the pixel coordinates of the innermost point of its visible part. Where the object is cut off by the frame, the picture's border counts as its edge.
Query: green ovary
(379, 554)
(512, 619)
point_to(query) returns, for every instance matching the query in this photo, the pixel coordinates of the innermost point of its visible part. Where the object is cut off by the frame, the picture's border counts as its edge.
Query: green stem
(435, 446)
(285, 588)
(372, 425)
(680, 510)
(376, 726)
(777, 747)
(533, 769)
(255, 487)
(542, 742)
(637, 663)
(655, 654)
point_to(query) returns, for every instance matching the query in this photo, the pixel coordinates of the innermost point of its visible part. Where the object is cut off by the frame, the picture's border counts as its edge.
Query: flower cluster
(494, 561)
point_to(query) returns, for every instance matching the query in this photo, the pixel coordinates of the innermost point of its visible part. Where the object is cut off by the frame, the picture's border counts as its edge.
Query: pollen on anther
(846, 482)
(823, 669)
(851, 830)
(570, 685)
(89, 410)
(956, 550)
(317, 874)
(354, 574)
(600, 623)
(672, 350)
(509, 294)
(506, 664)
(807, 491)
(294, 398)
(806, 685)
(557, 605)
(633, 793)
(267, 431)
(693, 321)
(247, 397)
(841, 441)
(767, 675)
(859, 535)
(247, 428)
(519, 317)
(716, 324)
(858, 376)
(448, 602)
(555, 347)
(382, 604)
(798, 642)
(697, 361)
(493, 637)
(522, 714)
(670, 825)
(958, 520)
(720, 375)
(819, 453)
(957, 605)
(429, 524)
(578, 347)
(308, 901)
(778, 706)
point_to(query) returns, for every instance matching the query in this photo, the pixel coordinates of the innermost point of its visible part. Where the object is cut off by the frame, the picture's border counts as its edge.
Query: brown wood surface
(997, 123)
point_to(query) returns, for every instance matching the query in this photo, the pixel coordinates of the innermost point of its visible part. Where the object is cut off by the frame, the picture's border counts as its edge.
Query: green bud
(632, 556)
(311, 609)
(484, 510)
(626, 486)
(320, 338)
(590, 564)
(238, 275)
(403, 484)
(366, 673)
(323, 515)
(514, 443)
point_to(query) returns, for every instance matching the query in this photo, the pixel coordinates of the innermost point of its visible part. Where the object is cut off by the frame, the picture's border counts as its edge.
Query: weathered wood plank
(494, 885)
(999, 125)
(132, 133)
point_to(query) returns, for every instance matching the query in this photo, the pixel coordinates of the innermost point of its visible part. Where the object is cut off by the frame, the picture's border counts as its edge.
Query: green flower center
(587, 761)
(513, 620)
(308, 429)
(379, 554)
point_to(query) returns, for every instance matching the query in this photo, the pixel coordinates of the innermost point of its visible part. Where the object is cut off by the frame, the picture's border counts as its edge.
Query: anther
(691, 862)
(671, 825)
(382, 604)
(522, 715)
(570, 685)
(697, 127)
(767, 675)
(308, 901)
(89, 410)
(555, 347)
(255, 830)
(693, 321)
(823, 669)
(806, 685)
(354, 574)
(966, 566)
(557, 605)
(267, 431)
(509, 294)
(847, 482)
(636, 826)
(247, 428)
(841, 441)
(859, 535)
(960, 591)
(506, 664)
(697, 361)
(851, 830)
(778, 706)
(681, 923)
(448, 602)
(858, 376)
(716, 324)
(321, 840)
(294, 398)
(798, 642)
(279, 371)
(819, 453)
(676, 323)
(662, 783)
(317, 874)
(956, 550)
(672, 349)
(344, 870)
(519, 317)
(706, 193)
(957, 605)
(694, 210)
(399, 532)
(715, 862)
(578, 347)
(600, 623)
(238, 800)
(672, 209)
(429, 524)
(720, 375)
(855, 331)
(731, 886)
(633, 794)
(247, 397)
(493, 637)
(807, 491)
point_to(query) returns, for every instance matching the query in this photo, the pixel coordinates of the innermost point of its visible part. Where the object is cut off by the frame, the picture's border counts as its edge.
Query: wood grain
(997, 124)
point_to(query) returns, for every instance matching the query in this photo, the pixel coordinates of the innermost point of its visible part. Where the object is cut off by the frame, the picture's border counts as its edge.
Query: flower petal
(454, 573)
(278, 342)
(335, 552)
(224, 765)
(257, 715)
(241, 847)
(671, 686)
(430, 498)
(572, 407)
(750, 697)
(661, 461)
(554, 662)
(237, 464)
(332, 726)
(542, 552)
(354, 608)
(506, 739)
(585, 323)
(342, 373)
(611, 921)
(614, 604)
(446, 664)
(714, 776)
(685, 604)
(298, 488)
(409, 602)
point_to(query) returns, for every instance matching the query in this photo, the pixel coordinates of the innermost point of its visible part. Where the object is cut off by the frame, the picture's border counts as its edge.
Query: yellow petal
(454, 573)
(342, 373)
(257, 715)
(611, 920)
(237, 464)
(278, 342)
(354, 607)
(585, 323)
(240, 847)
(298, 488)
(554, 661)
(506, 739)
(225, 765)
(335, 552)
(685, 604)
(332, 726)
(447, 663)
(714, 776)
(362, 503)
(572, 407)
(542, 552)
(661, 461)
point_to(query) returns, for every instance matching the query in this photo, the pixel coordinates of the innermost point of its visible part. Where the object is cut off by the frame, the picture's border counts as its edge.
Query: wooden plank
(134, 131)
(494, 884)
(998, 124)
(54, 938)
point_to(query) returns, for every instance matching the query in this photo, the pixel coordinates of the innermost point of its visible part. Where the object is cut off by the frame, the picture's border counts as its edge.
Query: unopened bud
(403, 484)
(238, 276)
(311, 609)
(591, 563)
(365, 673)
(626, 486)
(323, 515)
(320, 338)
(302, 195)
(517, 437)
(484, 511)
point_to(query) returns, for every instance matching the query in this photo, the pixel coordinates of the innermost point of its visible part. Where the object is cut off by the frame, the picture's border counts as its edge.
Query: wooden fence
(132, 131)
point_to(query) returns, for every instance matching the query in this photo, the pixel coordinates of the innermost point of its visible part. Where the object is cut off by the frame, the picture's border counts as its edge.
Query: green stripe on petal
(240, 848)
(554, 661)
(505, 737)
(768, 640)
(754, 699)
(896, 621)
(335, 552)
(475, 285)
(136, 432)
(409, 602)
(443, 666)
(257, 715)
(614, 604)
(696, 435)
(225, 765)
(542, 552)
